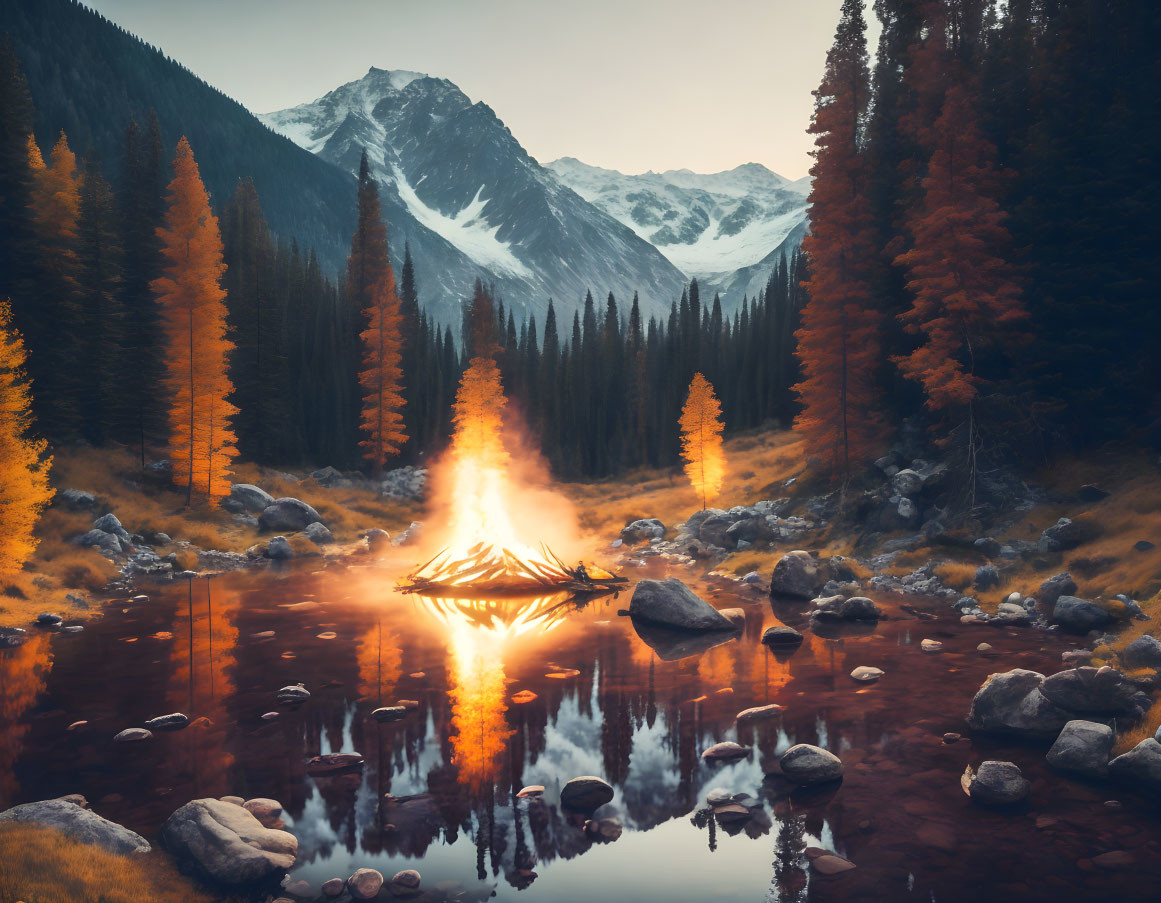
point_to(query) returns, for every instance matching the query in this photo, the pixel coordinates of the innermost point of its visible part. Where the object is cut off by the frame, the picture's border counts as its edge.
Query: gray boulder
(78, 824)
(906, 483)
(279, 548)
(318, 534)
(1097, 691)
(108, 523)
(797, 575)
(1012, 703)
(404, 483)
(987, 576)
(780, 637)
(250, 497)
(860, 608)
(806, 764)
(77, 499)
(673, 604)
(643, 530)
(1143, 652)
(288, 514)
(1078, 615)
(1140, 767)
(1064, 534)
(226, 844)
(1083, 748)
(998, 784)
(715, 531)
(585, 794)
(1055, 587)
(330, 477)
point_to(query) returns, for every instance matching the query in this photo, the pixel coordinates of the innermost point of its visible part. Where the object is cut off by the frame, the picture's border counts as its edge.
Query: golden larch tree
(193, 314)
(382, 375)
(24, 464)
(701, 439)
(479, 414)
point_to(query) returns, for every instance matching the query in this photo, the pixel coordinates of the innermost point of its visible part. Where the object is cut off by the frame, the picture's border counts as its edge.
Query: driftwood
(494, 570)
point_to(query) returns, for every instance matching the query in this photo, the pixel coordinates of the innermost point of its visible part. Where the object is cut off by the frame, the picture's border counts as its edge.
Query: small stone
(132, 735)
(77, 725)
(807, 764)
(866, 674)
(389, 713)
(952, 737)
(530, 790)
(48, 619)
(1114, 859)
(725, 752)
(781, 637)
(984, 647)
(364, 884)
(829, 864)
(409, 704)
(172, 722)
(585, 793)
(931, 646)
(998, 784)
(759, 713)
(333, 887)
(408, 879)
(293, 694)
(270, 716)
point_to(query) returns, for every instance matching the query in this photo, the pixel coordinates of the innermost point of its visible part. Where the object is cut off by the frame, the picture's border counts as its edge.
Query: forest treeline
(982, 259)
(983, 246)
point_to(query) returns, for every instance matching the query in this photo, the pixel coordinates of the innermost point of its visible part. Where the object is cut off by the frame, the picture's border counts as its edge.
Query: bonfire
(483, 553)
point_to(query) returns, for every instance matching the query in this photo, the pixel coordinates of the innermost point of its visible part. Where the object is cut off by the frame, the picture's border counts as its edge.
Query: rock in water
(643, 531)
(725, 752)
(1101, 691)
(1078, 615)
(797, 575)
(758, 713)
(294, 694)
(132, 735)
(364, 884)
(860, 608)
(279, 548)
(585, 793)
(1012, 703)
(998, 784)
(806, 764)
(288, 514)
(866, 674)
(78, 824)
(389, 713)
(1055, 587)
(673, 604)
(333, 763)
(407, 881)
(780, 636)
(1083, 748)
(226, 844)
(318, 534)
(172, 722)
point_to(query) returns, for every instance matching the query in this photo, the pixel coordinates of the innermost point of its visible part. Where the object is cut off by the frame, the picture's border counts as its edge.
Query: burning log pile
(496, 570)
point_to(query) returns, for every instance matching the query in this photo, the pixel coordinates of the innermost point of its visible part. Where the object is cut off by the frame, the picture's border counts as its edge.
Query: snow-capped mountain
(726, 228)
(472, 203)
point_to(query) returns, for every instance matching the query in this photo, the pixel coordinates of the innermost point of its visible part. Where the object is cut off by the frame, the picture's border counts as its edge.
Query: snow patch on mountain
(467, 230)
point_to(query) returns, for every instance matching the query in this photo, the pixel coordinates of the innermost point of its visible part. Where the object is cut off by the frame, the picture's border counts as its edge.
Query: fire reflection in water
(479, 632)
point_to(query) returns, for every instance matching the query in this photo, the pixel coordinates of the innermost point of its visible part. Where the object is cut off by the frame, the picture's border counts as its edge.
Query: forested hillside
(73, 57)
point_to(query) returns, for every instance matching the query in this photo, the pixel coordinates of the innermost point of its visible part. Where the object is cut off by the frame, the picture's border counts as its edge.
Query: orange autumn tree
(967, 302)
(24, 466)
(193, 314)
(838, 342)
(382, 375)
(701, 439)
(479, 415)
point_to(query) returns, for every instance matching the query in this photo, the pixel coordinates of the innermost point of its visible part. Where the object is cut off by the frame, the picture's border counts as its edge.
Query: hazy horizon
(631, 86)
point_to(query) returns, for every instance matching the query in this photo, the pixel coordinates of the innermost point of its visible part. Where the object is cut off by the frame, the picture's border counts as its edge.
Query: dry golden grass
(40, 865)
(956, 574)
(1142, 730)
(756, 466)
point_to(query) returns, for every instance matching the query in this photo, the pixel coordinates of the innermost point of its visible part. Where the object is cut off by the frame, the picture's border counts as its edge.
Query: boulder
(1055, 587)
(226, 844)
(673, 604)
(1097, 691)
(998, 784)
(797, 575)
(906, 483)
(1012, 703)
(585, 794)
(389, 713)
(364, 884)
(405, 483)
(251, 497)
(1078, 615)
(806, 764)
(78, 824)
(330, 477)
(714, 531)
(77, 499)
(1064, 534)
(987, 576)
(287, 514)
(1140, 767)
(108, 523)
(860, 608)
(643, 530)
(332, 887)
(1083, 748)
(781, 637)
(279, 548)
(1143, 652)
(293, 694)
(725, 752)
(736, 616)
(133, 735)
(318, 534)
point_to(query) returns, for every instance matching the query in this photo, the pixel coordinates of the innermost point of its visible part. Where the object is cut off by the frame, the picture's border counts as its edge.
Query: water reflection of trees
(23, 672)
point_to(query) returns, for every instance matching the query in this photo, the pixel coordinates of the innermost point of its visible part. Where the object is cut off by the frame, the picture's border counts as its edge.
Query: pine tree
(50, 310)
(382, 375)
(838, 342)
(16, 120)
(24, 462)
(701, 439)
(193, 315)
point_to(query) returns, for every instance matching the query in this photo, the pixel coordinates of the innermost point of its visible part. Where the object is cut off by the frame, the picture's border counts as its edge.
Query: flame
(490, 500)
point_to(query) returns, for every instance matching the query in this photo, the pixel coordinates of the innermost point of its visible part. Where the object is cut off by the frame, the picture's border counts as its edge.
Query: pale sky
(626, 84)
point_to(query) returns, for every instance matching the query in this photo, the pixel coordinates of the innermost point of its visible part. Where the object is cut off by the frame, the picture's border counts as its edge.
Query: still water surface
(438, 790)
